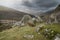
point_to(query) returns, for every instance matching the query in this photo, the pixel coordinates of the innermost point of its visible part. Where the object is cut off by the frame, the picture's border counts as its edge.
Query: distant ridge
(10, 14)
(50, 12)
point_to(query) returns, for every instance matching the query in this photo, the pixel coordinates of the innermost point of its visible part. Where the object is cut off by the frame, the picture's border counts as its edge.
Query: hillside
(40, 31)
(8, 17)
(18, 33)
(10, 14)
(52, 15)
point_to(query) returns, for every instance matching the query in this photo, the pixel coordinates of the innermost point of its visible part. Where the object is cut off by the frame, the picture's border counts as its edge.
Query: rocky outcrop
(53, 17)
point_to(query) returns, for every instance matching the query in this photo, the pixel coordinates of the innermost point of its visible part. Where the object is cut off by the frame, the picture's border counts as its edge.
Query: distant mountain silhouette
(10, 14)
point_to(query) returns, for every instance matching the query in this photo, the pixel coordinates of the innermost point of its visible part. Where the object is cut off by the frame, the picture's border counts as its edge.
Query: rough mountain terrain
(40, 30)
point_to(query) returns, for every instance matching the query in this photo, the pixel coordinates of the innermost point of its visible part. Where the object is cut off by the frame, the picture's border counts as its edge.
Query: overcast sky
(31, 6)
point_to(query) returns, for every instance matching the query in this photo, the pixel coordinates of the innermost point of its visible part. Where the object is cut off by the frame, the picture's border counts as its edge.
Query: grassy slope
(55, 27)
(17, 33)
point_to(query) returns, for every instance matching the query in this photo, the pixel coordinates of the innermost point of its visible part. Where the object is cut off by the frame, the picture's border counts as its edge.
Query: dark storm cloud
(42, 5)
(31, 6)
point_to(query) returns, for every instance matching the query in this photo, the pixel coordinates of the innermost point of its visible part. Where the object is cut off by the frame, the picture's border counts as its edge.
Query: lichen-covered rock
(27, 36)
(18, 24)
(57, 38)
(49, 33)
(31, 23)
(39, 28)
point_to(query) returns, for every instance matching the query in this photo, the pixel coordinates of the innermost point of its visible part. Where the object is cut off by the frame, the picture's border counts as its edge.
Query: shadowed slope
(10, 14)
